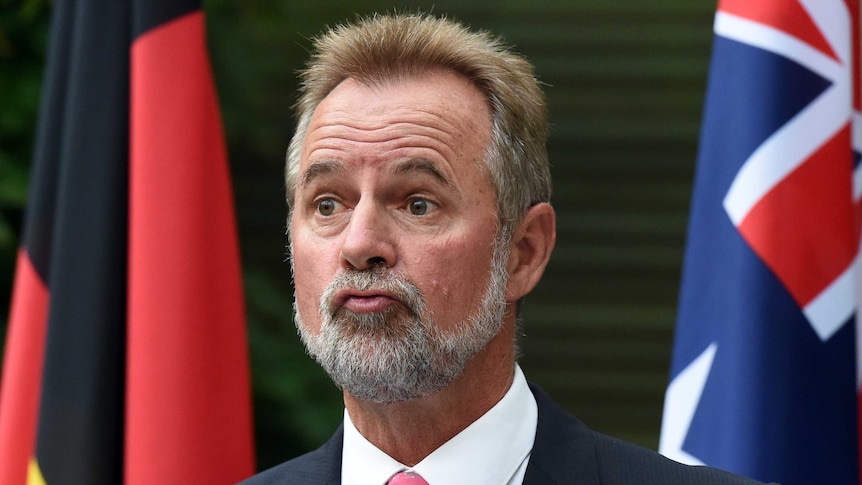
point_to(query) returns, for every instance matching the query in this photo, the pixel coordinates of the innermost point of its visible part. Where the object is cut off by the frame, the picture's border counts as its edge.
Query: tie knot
(406, 478)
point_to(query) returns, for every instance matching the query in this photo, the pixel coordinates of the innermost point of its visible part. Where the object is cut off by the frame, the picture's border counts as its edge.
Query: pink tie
(406, 478)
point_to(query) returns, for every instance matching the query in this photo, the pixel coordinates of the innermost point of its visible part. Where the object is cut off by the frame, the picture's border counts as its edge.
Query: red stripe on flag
(856, 45)
(22, 371)
(804, 228)
(790, 17)
(188, 392)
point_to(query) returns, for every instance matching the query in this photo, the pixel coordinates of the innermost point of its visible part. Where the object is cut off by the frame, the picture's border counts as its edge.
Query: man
(418, 186)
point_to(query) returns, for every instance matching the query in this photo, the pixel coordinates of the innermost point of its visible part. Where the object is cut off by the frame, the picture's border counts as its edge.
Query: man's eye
(326, 207)
(418, 207)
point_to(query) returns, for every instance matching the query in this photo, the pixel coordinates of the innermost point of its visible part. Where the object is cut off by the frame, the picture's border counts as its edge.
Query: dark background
(624, 80)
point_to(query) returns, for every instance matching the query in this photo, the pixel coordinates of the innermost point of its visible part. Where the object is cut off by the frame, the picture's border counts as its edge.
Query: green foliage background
(23, 39)
(624, 82)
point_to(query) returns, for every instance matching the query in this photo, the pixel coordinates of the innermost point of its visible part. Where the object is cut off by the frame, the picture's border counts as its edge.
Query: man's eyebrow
(319, 168)
(421, 165)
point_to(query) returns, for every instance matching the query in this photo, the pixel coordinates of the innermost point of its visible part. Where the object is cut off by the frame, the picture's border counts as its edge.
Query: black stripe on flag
(82, 155)
(148, 14)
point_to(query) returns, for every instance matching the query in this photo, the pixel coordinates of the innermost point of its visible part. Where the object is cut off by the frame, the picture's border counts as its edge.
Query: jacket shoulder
(567, 451)
(624, 463)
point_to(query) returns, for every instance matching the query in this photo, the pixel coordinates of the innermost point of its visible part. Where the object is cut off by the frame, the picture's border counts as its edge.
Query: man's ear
(530, 250)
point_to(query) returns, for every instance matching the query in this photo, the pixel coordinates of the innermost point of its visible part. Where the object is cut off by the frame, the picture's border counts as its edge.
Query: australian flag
(764, 379)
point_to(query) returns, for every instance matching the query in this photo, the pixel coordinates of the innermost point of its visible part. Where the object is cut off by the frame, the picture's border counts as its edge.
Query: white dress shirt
(493, 450)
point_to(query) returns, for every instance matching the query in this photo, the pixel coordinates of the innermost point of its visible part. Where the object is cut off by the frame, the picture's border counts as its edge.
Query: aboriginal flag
(126, 357)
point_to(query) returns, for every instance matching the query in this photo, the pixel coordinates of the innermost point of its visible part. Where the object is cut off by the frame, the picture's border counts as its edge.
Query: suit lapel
(330, 459)
(563, 453)
(322, 466)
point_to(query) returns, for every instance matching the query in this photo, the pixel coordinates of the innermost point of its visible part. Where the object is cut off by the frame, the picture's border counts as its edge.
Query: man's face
(393, 232)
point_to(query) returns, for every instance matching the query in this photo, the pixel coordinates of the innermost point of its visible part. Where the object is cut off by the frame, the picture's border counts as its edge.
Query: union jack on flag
(765, 379)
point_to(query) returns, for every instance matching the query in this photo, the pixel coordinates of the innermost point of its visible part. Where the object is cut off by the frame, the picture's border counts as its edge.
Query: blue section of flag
(779, 404)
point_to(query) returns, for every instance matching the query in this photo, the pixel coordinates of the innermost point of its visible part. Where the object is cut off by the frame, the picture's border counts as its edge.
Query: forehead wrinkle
(335, 125)
(319, 168)
(399, 134)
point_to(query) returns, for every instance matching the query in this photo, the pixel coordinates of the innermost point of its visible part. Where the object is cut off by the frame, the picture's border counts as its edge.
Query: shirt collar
(503, 435)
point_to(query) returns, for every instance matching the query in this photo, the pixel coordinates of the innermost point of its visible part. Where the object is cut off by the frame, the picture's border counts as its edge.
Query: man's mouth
(365, 301)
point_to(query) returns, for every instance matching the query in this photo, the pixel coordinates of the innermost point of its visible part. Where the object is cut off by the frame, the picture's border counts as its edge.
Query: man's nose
(368, 239)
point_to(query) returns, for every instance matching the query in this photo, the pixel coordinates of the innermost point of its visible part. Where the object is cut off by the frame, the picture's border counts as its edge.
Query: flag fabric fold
(126, 360)
(764, 375)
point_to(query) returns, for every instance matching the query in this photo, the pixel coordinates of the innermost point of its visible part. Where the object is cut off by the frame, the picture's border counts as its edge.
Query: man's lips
(365, 301)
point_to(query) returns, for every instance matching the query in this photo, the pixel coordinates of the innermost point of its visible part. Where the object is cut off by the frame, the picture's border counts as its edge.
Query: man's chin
(385, 394)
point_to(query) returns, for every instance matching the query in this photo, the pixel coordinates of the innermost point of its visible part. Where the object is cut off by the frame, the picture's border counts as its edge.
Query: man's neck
(409, 431)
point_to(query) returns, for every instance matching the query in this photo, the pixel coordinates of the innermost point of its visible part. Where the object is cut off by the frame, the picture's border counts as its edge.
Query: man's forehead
(427, 78)
(436, 125)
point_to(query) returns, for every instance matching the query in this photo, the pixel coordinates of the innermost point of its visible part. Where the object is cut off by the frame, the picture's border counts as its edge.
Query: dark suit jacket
(565, 452)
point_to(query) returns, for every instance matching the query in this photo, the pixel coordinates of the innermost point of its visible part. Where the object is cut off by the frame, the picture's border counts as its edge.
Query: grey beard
(401, 353)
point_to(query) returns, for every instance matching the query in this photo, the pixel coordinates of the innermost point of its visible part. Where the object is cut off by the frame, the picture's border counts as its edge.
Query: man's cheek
(308, 303)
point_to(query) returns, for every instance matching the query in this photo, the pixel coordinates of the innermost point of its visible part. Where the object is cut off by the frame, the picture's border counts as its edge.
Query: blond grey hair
(382, 48)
